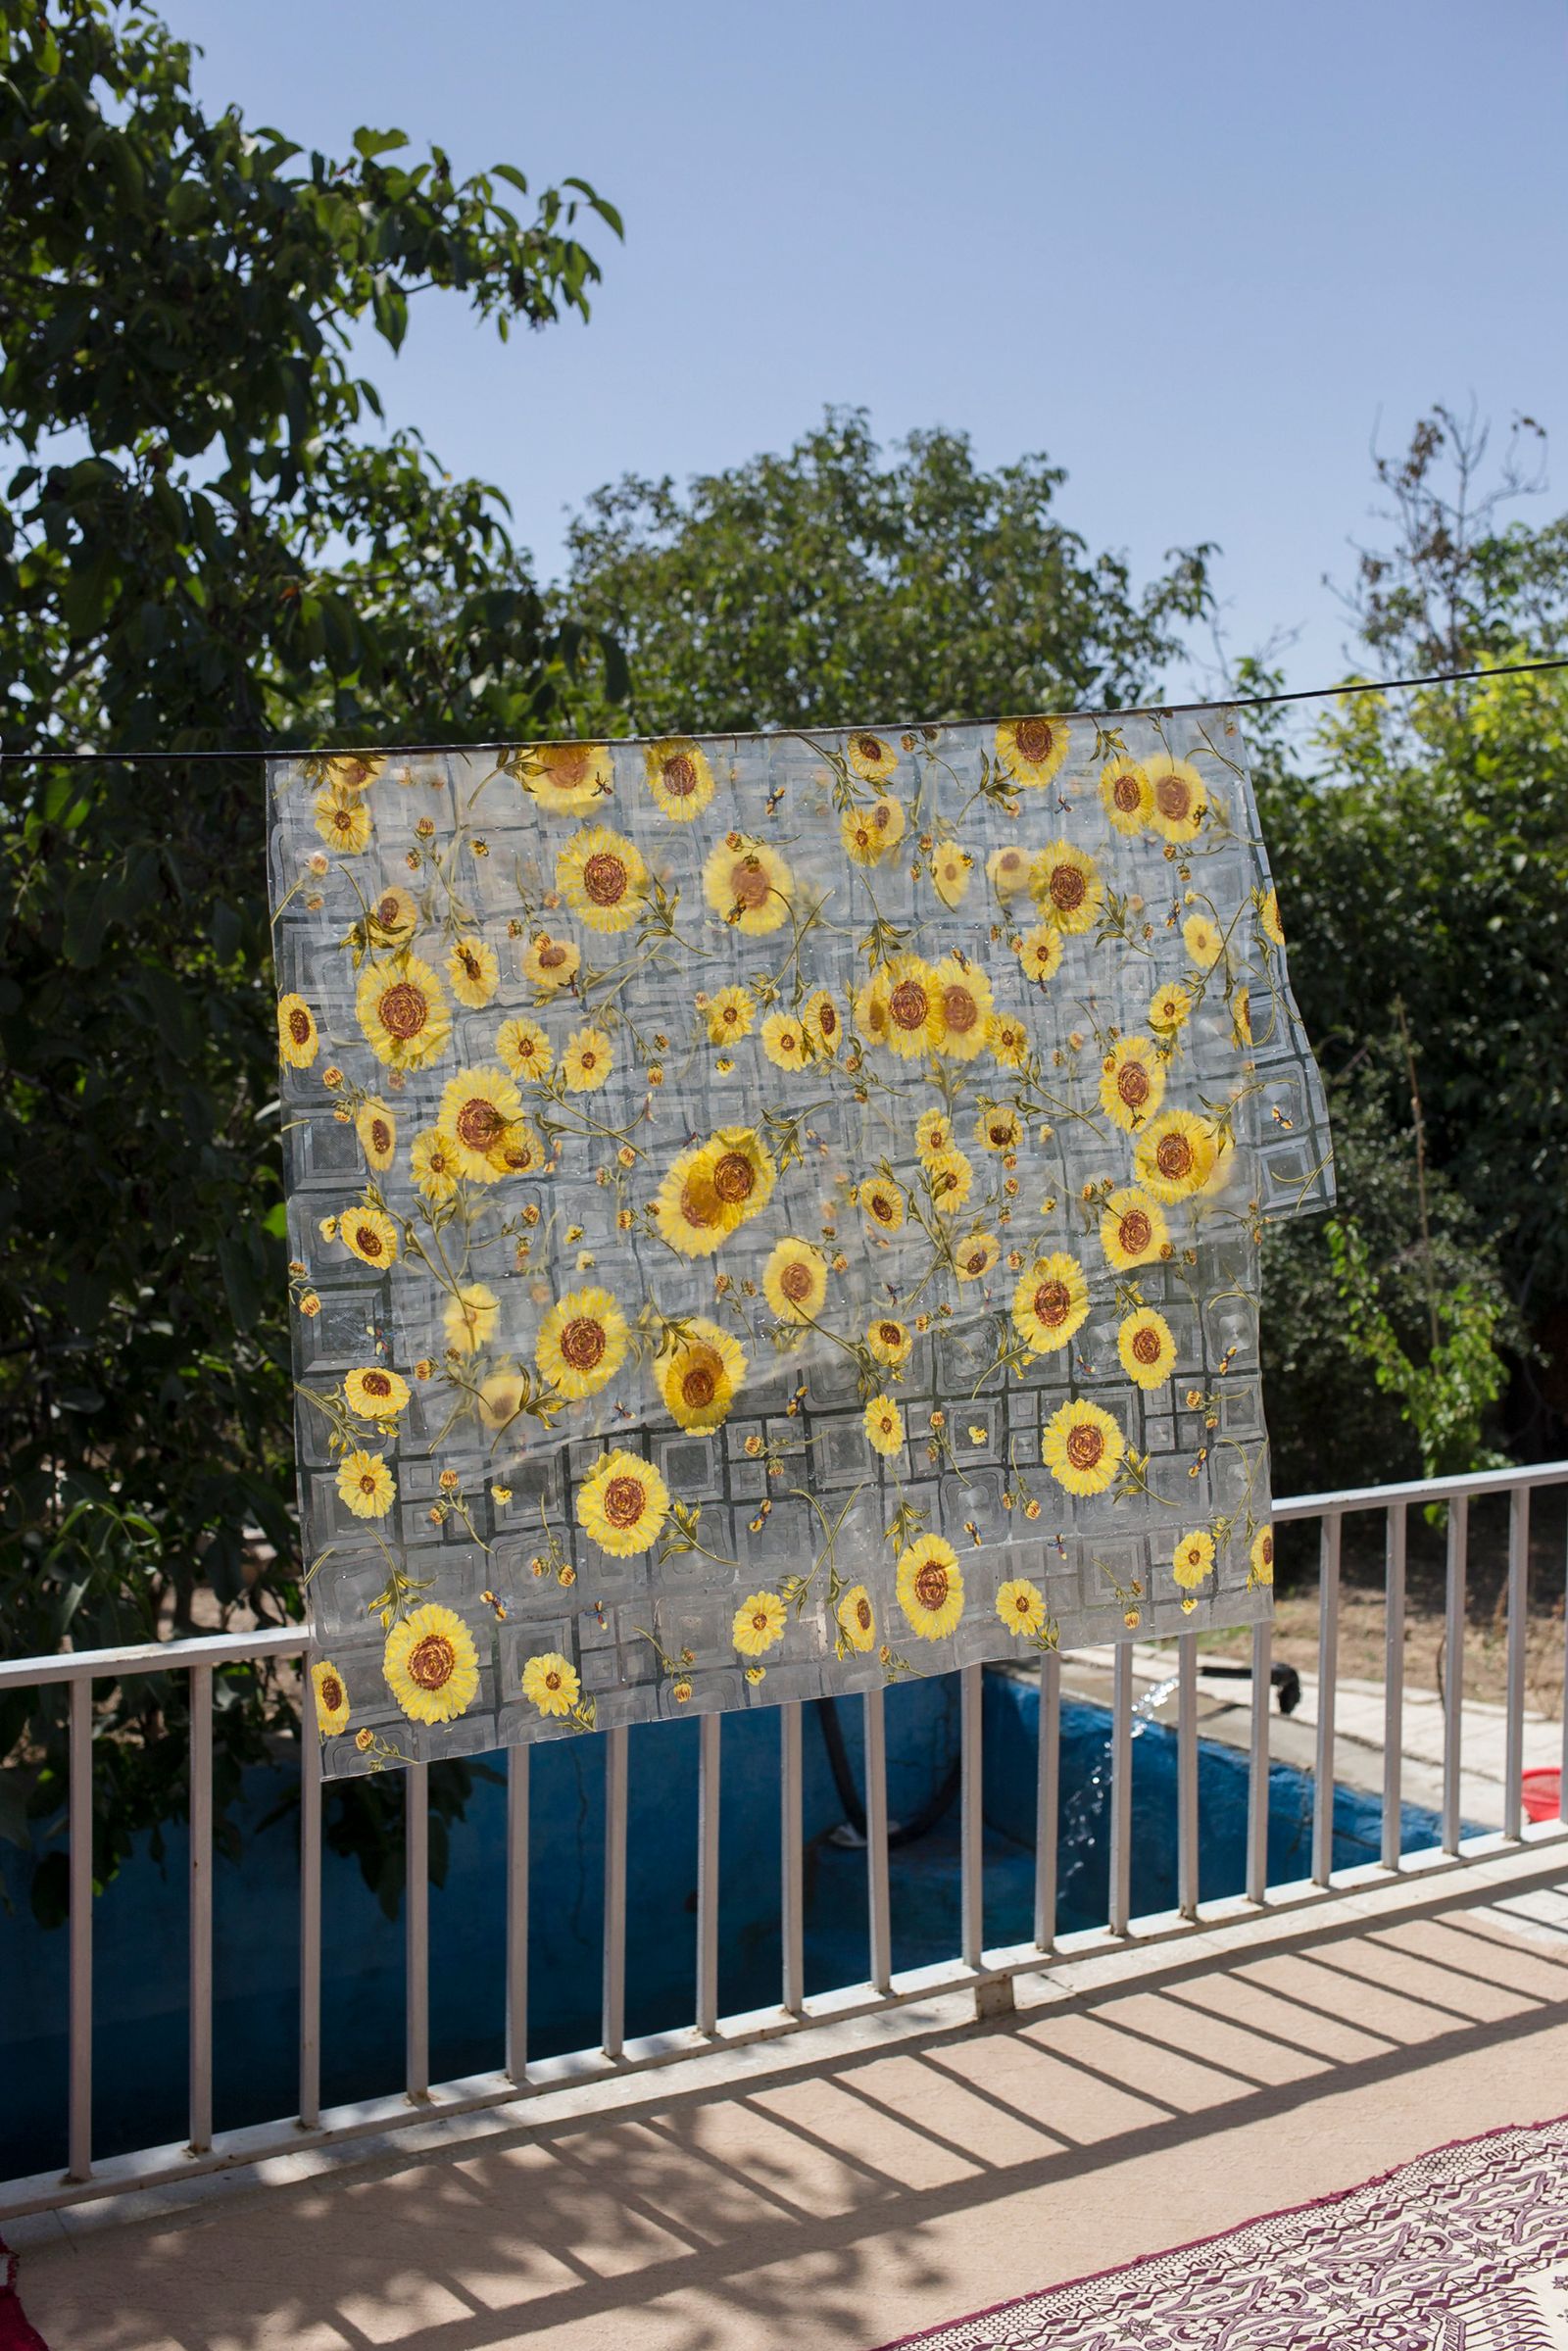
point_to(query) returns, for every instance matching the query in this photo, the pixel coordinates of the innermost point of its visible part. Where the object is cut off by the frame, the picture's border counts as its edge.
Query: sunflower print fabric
(774, 1215)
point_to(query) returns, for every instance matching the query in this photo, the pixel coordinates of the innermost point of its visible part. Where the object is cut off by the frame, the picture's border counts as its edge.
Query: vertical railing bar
(309, 1902)
(79, 2143)
(1187, 1889)
(1257, 1764)
(878, 1899)
(707, 1799)
(971, 1818)
(1513, 1770)
(792, 1859)
(613, 1981)
(416, 1929)
(1121, 1789)
(516, 2058)
(1394, 1534)
(1562, 1773)
(200, 1749)
(1453, 1669)
(1328, 1658)
(1047, 1785)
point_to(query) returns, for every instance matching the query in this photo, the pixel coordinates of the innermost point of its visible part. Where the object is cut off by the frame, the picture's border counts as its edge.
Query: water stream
(1079, 1834)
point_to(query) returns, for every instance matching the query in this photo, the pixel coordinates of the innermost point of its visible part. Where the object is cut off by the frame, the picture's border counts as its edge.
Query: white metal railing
(988, 1971)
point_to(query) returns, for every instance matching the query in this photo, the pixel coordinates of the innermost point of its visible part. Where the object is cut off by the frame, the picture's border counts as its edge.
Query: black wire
(905, 1833)
(1143, 710)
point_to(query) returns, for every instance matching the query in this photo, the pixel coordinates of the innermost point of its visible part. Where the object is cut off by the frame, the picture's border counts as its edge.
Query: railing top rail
(291, 1640)
(155, 1656)
(1477, 1485)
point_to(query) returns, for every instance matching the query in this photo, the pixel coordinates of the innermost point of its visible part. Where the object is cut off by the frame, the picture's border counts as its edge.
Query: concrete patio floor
(870, 2176)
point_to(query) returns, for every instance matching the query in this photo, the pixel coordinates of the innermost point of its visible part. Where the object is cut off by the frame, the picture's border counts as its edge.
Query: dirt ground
(1362, 1612)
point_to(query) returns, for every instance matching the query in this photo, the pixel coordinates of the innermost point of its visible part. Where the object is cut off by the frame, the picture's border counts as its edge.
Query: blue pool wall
(140, 1921)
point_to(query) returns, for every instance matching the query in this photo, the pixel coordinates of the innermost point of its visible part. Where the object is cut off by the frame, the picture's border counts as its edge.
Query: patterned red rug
(14, 2332)
(1466, 2249)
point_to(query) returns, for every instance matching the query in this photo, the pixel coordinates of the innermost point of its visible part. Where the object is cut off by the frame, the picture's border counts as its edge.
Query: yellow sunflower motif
(688, 1213)
(298, 1041)
(1146, 1348)
(354, 770)
(402, 1009)
(371, 1236)
(1082, 1448)
(343, 822)
(1021, 1606)
(1009, 871)
(366, 1483)
(795, 1280)
(568, 778)
(524, 1047)
(700, 1374)
(551, 1682)
(1131, 1229)
(1268, 914)
(872, 1013)
(679, 777)
(933, 1133)
(582, 1344)
(951, 868)
(748, 884)
(1174, 1155)
(744, 1172)
(1069, 890)
(975, 1255)
(1040, 952)
(470, 1319)
(884, 1426)
(823, 1026)
(1179, 798)
(587, 1060)
(998, 1127)
(1203, 940)
(1127, 795)
(376, 1393)
(1008, 1039)
(730, 1015)
(550, 963)
(873, 759)
(784, 1041)
(930, 1587)
(964, 993)
(950, 1179)
(858, 1619)
(868, 833)
(430, 1665)
(883, 1203)
(1033, 749)
(1132, 1083)
(759, 1621)
(914, 1008)
(602, 877)
(1193, 1560)
(1050, 1302)
(1170, 1008)
(378, 1131)
(474, 972)
(433, 1164)
(1260, 1557)
(501, 1398)
(622, 1504)
(891, 1342)
(391, 922)
(332, 1698)
(524, 1152)
(479, 1108)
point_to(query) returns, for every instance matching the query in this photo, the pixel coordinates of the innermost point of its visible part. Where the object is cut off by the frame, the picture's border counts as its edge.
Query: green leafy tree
(206, 540)
(833, 583)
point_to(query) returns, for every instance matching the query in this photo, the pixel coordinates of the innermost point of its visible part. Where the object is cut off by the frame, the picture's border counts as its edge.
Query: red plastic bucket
(1542, 1794)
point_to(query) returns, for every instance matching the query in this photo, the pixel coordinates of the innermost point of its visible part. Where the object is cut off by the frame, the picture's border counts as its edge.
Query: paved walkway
(845, 2188)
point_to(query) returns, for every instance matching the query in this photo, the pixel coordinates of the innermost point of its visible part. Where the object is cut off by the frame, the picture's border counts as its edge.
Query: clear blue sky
(1193, 254)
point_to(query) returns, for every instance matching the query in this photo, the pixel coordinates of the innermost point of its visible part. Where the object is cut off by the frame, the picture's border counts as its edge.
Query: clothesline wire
(1148, 710)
